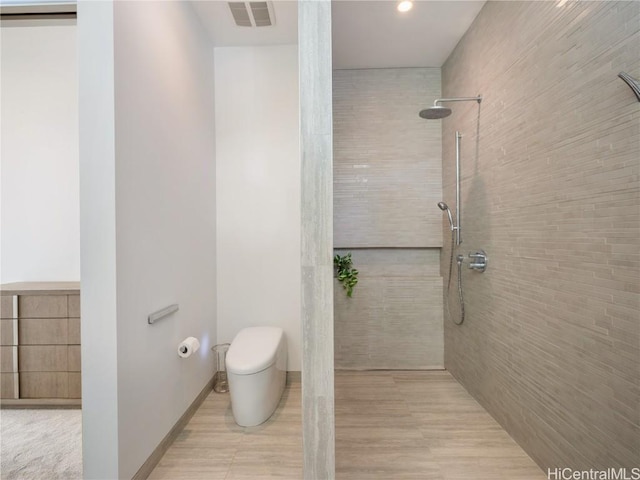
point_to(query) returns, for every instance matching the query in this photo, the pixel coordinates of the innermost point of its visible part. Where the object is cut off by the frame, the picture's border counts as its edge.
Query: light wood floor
(389, 426)
(213, 447)
(420, 425)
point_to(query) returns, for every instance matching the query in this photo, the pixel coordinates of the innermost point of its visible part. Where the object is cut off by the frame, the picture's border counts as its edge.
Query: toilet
(257, 373)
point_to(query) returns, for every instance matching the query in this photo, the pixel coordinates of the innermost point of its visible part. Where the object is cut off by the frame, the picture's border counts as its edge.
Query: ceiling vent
(252, 14)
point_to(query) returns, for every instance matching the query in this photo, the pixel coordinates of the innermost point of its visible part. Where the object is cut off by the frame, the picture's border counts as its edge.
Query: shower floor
(420, 425)
(389, 425)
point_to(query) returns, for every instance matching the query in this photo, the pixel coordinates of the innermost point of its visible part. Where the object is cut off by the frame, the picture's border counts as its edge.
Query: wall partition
(314, 40)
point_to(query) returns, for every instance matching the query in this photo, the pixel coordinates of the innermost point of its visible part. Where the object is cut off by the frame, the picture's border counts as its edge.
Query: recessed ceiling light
(405, 6)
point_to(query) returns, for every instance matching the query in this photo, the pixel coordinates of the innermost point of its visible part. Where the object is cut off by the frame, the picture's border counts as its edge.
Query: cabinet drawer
(9, 332)
(8, 306)
(43, 331)
(9, 385)
(8, 359)
(42, 306)
(43, 358)
(75, 385)
(44, 385)
(74, 305)
(74, 331)
(73, 356)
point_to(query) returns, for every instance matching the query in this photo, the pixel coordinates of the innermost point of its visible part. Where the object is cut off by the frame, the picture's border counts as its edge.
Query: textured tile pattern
(387, 181)
(314, 47)
(551, 343)
(420, 425)
(387, 160)
(394, 319)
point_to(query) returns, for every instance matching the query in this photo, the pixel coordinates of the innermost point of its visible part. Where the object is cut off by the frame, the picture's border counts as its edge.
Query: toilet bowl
(257, 372)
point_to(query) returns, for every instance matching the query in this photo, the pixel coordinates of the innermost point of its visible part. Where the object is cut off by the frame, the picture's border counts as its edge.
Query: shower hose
(460, 296)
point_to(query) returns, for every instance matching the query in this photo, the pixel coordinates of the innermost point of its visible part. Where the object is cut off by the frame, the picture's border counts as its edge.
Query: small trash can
(220, 382)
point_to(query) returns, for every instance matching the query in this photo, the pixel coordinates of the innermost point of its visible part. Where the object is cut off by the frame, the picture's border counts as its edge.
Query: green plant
(347, 275)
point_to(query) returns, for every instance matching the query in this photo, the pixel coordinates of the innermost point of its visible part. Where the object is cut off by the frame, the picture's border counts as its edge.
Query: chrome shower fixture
(438, 111)
(445, 208)
(455, 225)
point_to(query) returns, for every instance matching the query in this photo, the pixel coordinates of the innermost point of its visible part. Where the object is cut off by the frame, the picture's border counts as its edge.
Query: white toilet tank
(257, 372)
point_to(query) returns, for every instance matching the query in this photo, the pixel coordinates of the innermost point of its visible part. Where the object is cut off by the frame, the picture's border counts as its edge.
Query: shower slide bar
(458, 209)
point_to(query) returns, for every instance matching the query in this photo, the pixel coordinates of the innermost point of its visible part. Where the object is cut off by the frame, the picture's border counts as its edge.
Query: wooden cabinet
(9, 378)
(40, 341)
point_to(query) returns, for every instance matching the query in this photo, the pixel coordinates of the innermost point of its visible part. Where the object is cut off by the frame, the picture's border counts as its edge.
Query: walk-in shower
(435, 112)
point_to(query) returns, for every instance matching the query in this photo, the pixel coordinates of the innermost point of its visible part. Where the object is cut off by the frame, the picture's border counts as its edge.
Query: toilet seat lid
(253, 349)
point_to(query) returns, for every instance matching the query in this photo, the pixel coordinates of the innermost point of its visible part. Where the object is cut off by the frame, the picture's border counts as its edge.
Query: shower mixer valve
(478, 261)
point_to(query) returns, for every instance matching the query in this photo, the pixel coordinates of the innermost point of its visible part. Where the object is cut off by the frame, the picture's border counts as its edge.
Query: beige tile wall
(387, 181)
(387, 161)
(551, 343)
(394, 319)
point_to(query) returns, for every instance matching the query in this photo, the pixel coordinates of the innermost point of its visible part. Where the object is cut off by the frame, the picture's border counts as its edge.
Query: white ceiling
(373, 34)
(366, 33)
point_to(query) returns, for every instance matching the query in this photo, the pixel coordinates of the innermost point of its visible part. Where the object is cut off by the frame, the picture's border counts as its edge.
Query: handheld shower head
(445, 208)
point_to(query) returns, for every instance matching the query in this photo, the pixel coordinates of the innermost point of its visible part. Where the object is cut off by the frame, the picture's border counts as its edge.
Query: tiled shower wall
(387, 181)
(394, 319)
(550, 161)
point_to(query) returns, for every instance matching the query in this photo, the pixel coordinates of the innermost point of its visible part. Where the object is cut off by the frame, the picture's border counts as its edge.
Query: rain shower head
(438, 111)
(435, 112)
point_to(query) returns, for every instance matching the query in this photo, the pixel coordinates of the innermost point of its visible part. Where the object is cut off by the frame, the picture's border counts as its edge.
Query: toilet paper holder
(188, 347)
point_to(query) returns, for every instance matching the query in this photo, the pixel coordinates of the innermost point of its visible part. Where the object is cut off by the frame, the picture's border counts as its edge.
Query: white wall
(98, 241)
(40, 217)
(258, 191)
(164, 196)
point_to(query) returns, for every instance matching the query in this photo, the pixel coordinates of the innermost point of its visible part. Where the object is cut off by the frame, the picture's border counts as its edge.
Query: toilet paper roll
(188, 346)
